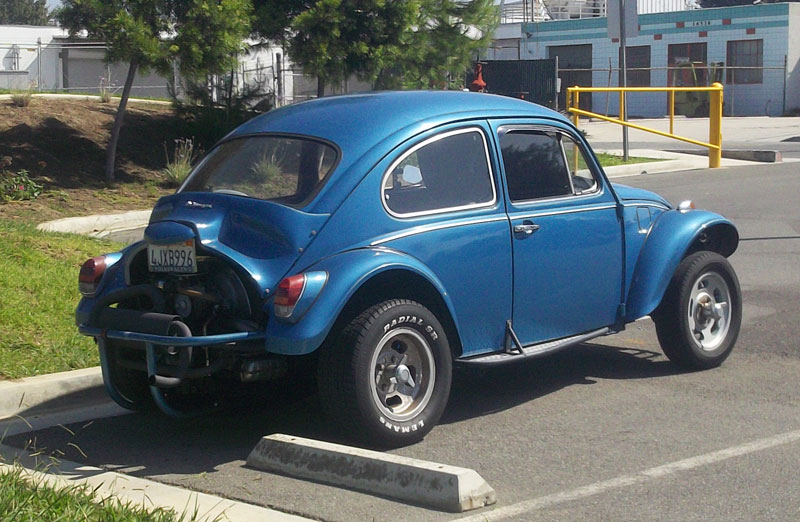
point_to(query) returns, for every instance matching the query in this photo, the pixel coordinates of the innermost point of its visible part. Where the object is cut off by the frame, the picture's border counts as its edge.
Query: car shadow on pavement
(151, 444)
(478, 391)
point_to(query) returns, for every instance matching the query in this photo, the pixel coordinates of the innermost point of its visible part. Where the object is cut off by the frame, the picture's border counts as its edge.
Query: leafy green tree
(24, 12)
(273, 18)
(445, 37)
(204, 36)
(337, 38)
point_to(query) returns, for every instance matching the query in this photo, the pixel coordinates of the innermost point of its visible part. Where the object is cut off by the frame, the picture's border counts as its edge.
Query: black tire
(396, 339)
(693, 327)
(131, 384)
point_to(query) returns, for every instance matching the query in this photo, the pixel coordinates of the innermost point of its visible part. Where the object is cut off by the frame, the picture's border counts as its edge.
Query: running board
(534, 350)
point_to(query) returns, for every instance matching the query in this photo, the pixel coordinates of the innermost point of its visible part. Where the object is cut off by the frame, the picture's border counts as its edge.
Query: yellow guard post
(715, 91)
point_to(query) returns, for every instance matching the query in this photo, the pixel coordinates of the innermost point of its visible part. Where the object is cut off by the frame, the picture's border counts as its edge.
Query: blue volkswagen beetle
(370, 241)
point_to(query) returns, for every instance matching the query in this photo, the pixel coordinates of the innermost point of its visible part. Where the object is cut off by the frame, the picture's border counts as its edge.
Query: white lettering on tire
(402, 429)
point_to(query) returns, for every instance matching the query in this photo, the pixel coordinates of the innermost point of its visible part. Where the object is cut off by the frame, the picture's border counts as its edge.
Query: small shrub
(180, 165)
(105, 90)
(21, 99)
(18, 187)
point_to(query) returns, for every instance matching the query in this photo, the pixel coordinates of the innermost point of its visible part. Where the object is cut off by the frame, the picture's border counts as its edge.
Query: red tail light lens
(290, 289)
(91, 273)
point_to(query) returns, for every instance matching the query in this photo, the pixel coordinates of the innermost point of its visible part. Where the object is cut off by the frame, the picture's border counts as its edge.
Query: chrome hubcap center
(404, 374)
(709, 309)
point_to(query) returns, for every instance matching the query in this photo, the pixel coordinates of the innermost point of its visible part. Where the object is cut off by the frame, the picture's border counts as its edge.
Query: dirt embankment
(62, 143)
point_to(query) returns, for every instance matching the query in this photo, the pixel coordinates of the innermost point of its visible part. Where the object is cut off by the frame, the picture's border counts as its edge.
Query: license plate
(178, 257)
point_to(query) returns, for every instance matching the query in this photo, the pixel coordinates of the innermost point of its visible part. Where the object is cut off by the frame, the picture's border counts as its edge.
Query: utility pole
(623, 78)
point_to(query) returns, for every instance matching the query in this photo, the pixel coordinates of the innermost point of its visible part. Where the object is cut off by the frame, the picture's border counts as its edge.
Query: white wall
(30, 59)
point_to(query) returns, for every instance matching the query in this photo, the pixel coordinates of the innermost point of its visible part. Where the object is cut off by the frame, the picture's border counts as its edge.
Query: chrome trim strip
(441, 226)
(558, 212)
(428, 141)
(647, 204)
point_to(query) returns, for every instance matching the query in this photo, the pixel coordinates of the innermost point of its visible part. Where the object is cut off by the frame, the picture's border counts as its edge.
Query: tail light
(290, 289)
(91, 273)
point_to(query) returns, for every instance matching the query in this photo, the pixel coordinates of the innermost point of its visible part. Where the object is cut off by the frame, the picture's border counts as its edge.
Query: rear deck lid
(262, 237)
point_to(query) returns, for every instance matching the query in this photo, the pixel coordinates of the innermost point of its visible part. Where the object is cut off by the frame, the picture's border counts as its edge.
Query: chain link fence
(749, 91)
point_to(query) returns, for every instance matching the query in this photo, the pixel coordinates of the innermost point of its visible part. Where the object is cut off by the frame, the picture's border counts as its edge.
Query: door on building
(574, 68)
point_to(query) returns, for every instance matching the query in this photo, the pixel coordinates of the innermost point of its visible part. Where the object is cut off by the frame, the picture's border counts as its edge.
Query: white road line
(632, 479)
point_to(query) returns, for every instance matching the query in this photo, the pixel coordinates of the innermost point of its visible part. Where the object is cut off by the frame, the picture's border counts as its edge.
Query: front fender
(347, 272)
(667, 242)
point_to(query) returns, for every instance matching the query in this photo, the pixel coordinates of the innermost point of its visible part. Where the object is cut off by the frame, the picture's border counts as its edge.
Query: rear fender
(673, 236)
(347, 272)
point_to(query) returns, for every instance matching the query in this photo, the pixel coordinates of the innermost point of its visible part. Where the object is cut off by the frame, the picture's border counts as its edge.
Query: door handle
(526, 228)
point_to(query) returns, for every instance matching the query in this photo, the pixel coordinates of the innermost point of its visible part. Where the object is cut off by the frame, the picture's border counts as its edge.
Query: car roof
(366, 126)
(357, 122)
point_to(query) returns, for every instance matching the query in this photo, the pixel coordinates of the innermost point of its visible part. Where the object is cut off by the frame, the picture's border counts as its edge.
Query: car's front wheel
(386, 378)
(699, 317)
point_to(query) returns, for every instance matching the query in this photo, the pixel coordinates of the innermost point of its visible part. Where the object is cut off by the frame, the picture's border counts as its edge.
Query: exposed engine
(212, 301)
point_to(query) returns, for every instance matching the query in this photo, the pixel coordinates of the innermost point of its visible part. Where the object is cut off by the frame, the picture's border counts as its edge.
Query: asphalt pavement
(609, 430)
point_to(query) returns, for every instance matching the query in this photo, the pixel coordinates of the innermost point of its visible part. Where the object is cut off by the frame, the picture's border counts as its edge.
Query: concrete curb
(760, 156)
(94, 97)
(138, 491)
(33, 396)
(99, 225)
(420, 482)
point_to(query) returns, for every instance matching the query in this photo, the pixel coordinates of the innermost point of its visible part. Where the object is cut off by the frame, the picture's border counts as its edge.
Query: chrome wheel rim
(709, 311)
(403, 374)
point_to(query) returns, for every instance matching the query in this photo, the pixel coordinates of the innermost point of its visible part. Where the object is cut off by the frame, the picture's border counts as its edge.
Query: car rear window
(287, 170)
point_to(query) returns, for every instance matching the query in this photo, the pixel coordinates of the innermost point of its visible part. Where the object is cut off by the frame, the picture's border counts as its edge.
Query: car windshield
(287, 170)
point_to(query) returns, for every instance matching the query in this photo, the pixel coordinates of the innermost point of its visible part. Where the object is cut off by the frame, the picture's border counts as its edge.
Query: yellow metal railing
(714, 144)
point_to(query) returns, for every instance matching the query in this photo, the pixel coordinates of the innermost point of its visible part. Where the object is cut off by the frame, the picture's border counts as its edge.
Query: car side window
(543, 164)
(447, 172)
(583, 181)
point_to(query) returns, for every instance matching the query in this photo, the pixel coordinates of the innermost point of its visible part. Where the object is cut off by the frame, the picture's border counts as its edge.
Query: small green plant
(105, 90)
(18, 186)
(179, 166)
(21, 98)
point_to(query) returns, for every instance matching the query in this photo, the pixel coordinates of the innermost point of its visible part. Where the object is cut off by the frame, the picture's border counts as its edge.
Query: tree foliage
(337, 38)
(273, 18)
(24, 12)
(445, 38)
(202, 36)
(395, 43)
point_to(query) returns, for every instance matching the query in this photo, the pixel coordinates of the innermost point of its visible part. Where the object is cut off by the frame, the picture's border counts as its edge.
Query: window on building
(638, 62)
(742, 56)
(687, 64)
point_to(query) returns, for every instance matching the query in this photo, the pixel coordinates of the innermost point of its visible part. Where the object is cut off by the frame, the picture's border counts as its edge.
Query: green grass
(24, 499)
(611, 160)
(38, 295)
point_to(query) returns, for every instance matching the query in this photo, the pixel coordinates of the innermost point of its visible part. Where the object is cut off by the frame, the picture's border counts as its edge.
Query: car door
(566, 236)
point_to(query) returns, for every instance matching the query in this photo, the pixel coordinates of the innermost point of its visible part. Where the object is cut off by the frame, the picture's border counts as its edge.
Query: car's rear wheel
(386, 378)
(699, 317)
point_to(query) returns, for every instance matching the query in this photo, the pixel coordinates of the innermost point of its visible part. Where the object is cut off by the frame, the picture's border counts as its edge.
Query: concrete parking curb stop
(420, 482)
(51, 393)
(138, 491)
